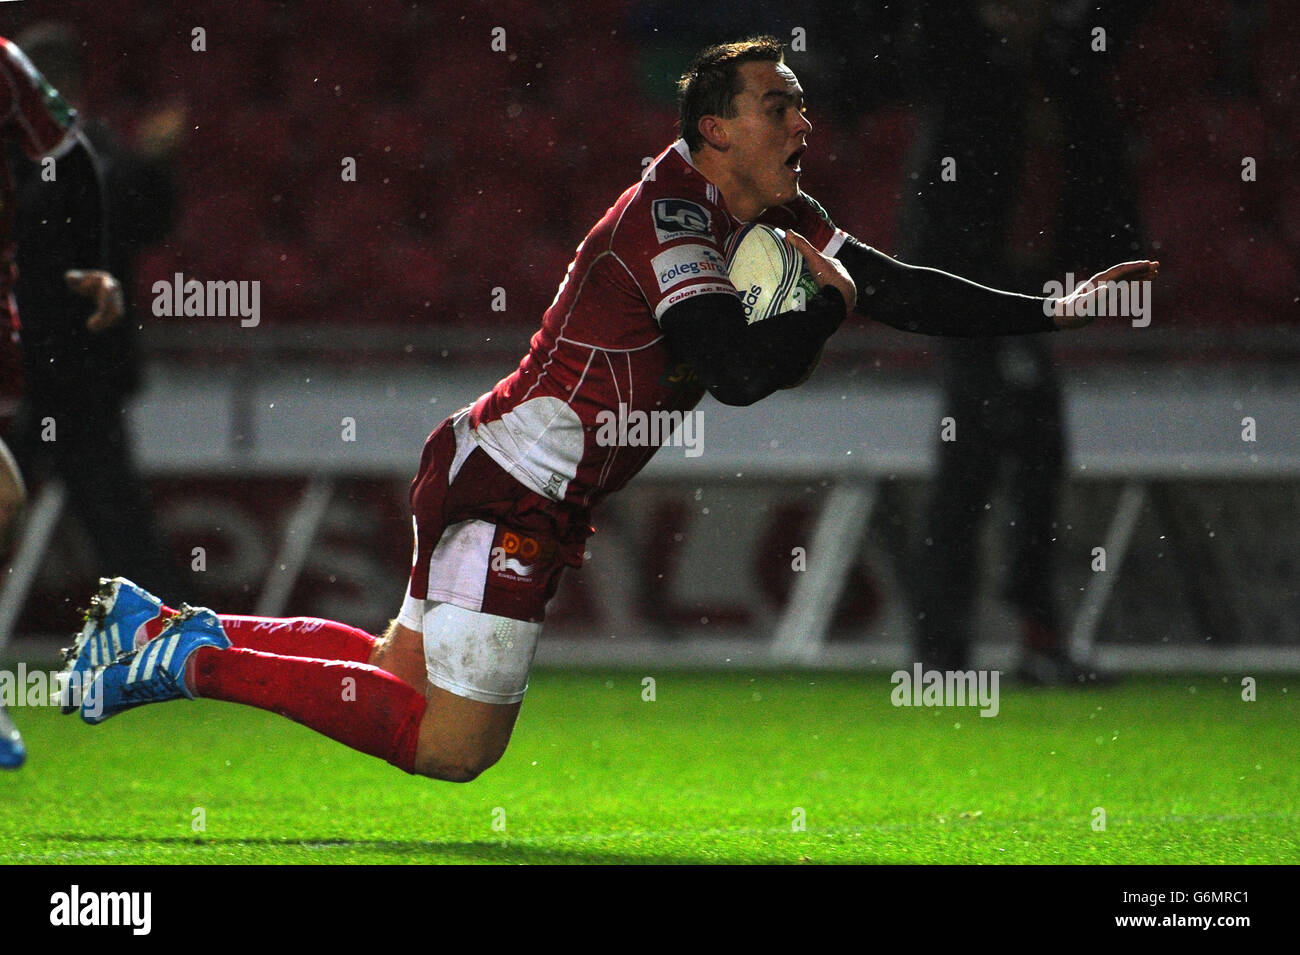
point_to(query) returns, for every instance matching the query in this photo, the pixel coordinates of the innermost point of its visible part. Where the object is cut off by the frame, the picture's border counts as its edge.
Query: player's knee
(459, 762)
(452, 773)
(455, 768)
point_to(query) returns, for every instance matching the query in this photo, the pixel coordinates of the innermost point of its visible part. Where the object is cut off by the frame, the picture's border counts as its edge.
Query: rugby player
(645, 316)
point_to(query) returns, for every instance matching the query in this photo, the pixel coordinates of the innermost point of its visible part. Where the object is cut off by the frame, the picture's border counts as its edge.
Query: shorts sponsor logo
(678, 218)
(523, 570)
(516, 556)
(685, 263)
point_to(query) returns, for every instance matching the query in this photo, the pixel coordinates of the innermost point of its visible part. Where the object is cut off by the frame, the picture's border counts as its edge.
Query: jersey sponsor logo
(685, 263)
(682, 294)
(678, 218)
(680, 375)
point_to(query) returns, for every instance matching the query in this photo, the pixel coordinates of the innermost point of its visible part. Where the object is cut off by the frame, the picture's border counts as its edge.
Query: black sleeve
(740, 363)
(140, 193)
(931, 302)
(58, 225)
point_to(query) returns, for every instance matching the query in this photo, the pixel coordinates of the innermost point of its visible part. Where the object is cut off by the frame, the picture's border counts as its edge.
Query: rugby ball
(769, 275)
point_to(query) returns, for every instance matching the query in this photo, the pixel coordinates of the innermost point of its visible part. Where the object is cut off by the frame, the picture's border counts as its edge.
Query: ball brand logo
(750, 299)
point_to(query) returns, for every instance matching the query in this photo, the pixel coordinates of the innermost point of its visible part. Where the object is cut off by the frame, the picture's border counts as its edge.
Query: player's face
(768, 133)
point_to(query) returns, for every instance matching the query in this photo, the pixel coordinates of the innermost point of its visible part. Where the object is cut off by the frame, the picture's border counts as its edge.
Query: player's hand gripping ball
(769, 274)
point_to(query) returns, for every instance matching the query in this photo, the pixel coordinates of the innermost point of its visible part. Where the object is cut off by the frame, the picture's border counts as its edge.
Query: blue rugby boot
(118, 612)
(12, 752)
(156, 671)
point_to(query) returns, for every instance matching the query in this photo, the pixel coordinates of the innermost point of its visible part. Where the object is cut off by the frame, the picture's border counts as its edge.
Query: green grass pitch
(719, 768)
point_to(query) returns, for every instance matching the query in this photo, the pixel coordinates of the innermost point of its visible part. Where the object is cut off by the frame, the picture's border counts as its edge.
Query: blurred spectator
(1012, 90)
(13, 497)
(84, 382)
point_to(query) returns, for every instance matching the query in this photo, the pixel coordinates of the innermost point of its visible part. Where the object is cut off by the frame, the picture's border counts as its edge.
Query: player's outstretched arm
(931, 302)
(1075, 310)
(741, 363)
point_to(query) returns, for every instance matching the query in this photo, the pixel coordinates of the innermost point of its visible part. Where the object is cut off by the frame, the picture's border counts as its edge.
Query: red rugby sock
(155, 626)
(288, 636)
(299, 637)
(360, 706)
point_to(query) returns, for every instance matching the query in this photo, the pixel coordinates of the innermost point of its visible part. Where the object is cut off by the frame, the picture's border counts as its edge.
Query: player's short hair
(709, 86)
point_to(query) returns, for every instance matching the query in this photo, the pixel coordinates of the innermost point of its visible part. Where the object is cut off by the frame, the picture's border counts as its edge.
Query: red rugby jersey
(600, 345)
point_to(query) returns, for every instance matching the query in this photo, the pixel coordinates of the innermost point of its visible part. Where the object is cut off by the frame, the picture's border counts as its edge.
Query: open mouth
(792, 161)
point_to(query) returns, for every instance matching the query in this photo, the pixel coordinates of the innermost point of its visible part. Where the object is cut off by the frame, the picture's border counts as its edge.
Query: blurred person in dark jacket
(996, 76)
(39, 128)
(81, 380)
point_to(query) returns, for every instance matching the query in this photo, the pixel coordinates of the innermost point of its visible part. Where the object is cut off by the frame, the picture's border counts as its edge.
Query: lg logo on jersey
(678, 218)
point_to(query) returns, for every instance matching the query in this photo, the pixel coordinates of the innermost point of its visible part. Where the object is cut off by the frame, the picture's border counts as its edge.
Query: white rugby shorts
(480, 656)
